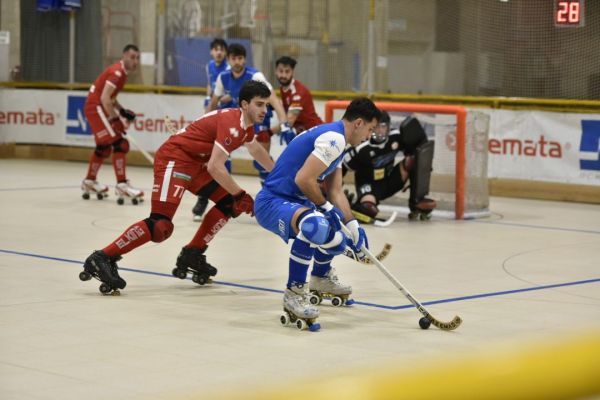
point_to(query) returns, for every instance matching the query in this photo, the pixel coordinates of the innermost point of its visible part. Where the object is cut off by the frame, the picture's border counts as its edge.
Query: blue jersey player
(292, 205)
(218, 64)
(227, 89)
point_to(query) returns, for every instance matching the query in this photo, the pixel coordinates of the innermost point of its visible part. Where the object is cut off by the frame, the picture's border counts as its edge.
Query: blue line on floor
(425, 303)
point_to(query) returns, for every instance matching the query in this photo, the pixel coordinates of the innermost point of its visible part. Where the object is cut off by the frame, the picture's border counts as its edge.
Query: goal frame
(461, 130)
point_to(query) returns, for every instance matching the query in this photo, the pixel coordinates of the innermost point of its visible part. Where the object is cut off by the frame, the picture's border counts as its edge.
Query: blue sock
(228, 165)
(300, 258)
(322, 264)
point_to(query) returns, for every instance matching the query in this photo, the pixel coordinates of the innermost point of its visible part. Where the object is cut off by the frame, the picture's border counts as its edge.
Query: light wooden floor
(529, 272)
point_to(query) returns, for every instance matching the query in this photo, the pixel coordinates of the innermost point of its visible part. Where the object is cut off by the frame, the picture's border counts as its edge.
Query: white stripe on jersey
(105, 121)
(164, 191)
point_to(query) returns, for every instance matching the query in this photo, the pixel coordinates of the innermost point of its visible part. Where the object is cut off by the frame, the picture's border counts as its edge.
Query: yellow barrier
(555, 370)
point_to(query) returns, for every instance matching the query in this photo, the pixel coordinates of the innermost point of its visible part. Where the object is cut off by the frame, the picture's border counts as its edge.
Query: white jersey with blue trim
(227, 84)
(327, 142)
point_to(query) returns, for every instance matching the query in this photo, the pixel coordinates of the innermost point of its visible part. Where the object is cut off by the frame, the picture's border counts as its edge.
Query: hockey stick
(385, 222)
(170, 125)
(144, 152)
(380, 256)
(446, 326)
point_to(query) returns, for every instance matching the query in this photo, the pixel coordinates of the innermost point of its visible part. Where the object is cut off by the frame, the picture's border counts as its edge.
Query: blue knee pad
(315, 228)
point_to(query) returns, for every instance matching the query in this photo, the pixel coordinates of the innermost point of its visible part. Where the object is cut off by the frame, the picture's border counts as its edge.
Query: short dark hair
(130, 47)
(236, 49)
(218, 42)
(286, 60)
(251, 89)
(362, 108)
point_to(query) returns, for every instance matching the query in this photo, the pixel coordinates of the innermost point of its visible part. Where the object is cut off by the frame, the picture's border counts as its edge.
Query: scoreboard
(569, 13)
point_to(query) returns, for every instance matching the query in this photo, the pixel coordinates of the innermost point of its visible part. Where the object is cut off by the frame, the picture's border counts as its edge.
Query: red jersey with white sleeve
(224, 128)
(298, 98)
(115, 76)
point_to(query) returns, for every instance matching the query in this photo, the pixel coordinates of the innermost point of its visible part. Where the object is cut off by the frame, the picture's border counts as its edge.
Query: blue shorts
(274, 213)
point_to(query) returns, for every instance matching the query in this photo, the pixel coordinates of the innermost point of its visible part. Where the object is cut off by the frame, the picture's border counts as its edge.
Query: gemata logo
(77, 124)
(589, 149)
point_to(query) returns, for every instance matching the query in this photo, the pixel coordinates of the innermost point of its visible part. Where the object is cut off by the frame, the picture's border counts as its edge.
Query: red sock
(134, 236)
(94, 166)
(212, 223)
(119, 164)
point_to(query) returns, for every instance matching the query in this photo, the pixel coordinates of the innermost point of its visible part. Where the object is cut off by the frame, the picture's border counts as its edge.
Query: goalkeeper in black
(392, 160)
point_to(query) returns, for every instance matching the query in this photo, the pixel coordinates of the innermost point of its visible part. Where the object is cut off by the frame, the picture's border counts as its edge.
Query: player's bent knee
(314, 227)
(160, 227)
(336, 245)
(121, 146)
(103, 151)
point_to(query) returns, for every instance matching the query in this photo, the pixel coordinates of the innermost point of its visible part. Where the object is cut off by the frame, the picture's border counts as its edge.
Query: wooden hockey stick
(144, 152)
(170, 125)
(446, 326)
(380, 256)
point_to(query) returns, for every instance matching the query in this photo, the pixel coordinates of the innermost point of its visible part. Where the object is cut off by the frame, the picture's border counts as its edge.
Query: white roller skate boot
(329, 287)
(298, 310)
(89, 186)
(124, 190)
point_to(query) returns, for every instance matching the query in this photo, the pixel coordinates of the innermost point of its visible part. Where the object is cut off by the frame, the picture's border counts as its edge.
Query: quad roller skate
(124, 190)
(105, 269)
(297, 309)
(422, 209)
(193, 260)
(200, 208)
(89, 186)
(329, 287)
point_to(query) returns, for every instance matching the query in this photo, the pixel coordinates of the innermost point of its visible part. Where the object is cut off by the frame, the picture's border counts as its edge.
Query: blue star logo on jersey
(333, 143)
(77, 124)
(589, 149)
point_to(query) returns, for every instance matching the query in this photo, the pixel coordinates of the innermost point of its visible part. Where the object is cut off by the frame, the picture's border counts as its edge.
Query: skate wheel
(116, 292)
(336, 302)
(315, 299)
(200, 279)
(99, 196)
(301, 324)
(413, 216)
(105, 288)
(425, 217)
(134, 201)
(120, 201)
(349, 302)
(180, 273)
(85, 276)
(284, 319)
(85, 196)
(314, 327)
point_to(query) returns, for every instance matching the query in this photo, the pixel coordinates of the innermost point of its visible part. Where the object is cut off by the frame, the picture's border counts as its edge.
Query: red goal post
(461, 127)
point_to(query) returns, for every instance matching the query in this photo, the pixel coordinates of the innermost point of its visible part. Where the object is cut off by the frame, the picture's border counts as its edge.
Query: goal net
(459, 178)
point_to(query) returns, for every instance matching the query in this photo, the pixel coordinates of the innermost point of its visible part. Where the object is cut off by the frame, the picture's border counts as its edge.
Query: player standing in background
(379, 174)
(218, 64)
(296, 98)
(292, 206)
(193, 160)
(102, 111)
(227, 87)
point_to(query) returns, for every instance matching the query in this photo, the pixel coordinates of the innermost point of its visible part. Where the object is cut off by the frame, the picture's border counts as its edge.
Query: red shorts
(174, 173)
(98, 120)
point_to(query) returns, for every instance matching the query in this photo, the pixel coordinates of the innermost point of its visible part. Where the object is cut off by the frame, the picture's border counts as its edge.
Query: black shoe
(104, 268)
(200, 207)
(193, 259)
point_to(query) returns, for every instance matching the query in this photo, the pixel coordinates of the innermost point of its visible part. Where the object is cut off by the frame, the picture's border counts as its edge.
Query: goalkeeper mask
(382, 129)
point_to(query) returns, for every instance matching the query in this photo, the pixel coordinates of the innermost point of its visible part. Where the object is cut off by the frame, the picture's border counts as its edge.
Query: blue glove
(287, 133)
(333, 215)
(359, 237)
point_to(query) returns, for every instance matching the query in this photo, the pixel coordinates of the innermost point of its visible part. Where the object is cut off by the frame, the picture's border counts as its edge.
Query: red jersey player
(193, 160)
(102, 111)
(296, 98)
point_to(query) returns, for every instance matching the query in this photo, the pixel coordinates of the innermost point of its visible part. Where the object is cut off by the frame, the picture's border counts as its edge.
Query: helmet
(382, 129)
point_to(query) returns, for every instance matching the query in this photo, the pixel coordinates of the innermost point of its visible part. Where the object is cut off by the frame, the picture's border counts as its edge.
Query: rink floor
(528, 272)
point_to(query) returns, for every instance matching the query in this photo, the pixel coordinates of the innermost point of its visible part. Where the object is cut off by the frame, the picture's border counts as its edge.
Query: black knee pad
(160, 227)
(226, 206)
(121, 146)
(103, 151)
(412, 135)
(367, 208)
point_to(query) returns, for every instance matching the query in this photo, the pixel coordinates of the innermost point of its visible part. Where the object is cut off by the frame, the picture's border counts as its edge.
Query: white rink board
(530, 145)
